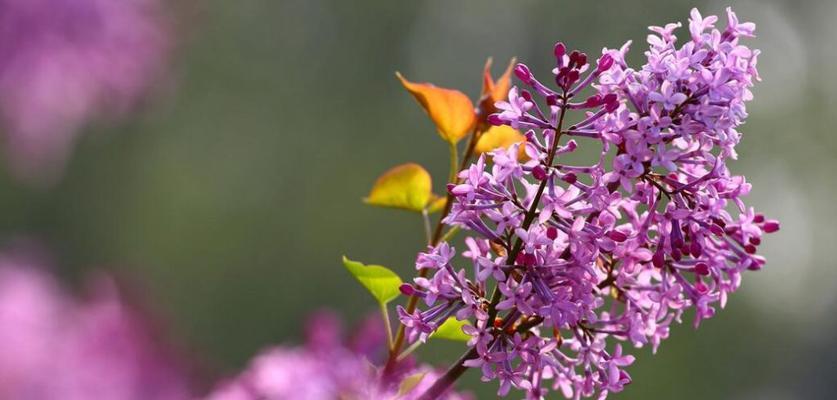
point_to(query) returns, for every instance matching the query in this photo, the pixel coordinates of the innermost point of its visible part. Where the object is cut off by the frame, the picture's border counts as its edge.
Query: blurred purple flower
(327, 368)
(53, 346)
(63, 62)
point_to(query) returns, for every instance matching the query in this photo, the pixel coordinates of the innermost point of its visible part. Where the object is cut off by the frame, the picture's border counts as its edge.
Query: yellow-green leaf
(500, 137)
(451, 329)
(437, 203)
(451, 110)
(407, 186)
(382, 283)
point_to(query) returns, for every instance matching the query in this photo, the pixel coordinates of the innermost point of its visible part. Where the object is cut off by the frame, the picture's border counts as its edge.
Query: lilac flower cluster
(579, 255)
(54, 346)
(328, 368)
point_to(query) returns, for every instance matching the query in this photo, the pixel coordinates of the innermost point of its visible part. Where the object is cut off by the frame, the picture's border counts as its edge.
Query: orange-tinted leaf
(406, 186)
(500, 136)
(451, 110)
(487, 80)
(497, 90)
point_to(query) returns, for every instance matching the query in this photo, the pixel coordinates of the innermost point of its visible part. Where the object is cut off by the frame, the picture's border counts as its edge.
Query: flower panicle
(613, 250)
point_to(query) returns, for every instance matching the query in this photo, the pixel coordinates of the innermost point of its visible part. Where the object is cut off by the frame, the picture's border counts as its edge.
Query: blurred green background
(234, 193)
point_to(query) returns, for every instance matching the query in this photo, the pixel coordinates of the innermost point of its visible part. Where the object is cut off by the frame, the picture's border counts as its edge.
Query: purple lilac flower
(65, 61)
(581, 256)
(53, 346)
(327, 367)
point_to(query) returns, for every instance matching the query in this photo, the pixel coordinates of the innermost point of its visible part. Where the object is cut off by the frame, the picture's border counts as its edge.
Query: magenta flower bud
(571, 146)
(526, 95)
(755, 241)
(572, 77)
(701, 269)
(758, 218)
(604, 63)
(494, 119)
(573, 58)
(659, 258)
(559, 50)
(676, 254)
(521, 71)
(552, 233)
(612, 106)
(529, 259)
(570, 178)
(593, 101)
(552, 100)
(771, 226)
(695, 249)
(716, 230)
(617, 236)
(539, 172)
(450, 187)
(581, 59)
(750, 249)
(407, 290)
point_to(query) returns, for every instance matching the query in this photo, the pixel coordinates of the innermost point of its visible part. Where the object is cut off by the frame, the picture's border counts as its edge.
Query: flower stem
(426, 219)
(387, 324)
(409, 350)
(395, 349)
(530, 214)
(458, 368)
(450, 234)
(454, 162)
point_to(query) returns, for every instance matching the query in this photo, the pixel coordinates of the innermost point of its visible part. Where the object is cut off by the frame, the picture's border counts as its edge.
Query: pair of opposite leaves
(409, 186)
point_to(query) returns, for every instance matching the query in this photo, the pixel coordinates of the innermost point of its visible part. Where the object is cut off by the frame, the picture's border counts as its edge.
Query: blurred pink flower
(327, 368)
(53, 346)
(63, 62)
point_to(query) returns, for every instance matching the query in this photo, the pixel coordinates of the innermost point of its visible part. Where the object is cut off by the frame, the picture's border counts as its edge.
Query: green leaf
(380, 281)
(451, 329)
